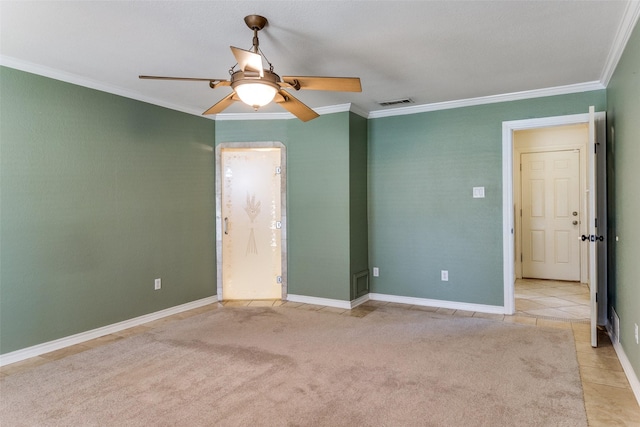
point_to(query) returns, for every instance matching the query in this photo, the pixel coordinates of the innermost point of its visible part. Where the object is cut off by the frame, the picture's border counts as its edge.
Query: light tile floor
(552, 299)
(609, 400)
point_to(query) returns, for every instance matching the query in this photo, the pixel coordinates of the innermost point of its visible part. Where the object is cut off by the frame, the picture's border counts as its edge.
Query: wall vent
(396, 102)
(359, 284)
(616, 326)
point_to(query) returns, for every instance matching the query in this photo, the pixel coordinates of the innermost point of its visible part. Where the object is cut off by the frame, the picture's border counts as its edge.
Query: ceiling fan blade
(295, 106)
(341, 84)
(248, 61)
(193, 79)
(222, 104)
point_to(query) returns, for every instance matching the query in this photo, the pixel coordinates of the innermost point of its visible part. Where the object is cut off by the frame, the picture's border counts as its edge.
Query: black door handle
(592, 238)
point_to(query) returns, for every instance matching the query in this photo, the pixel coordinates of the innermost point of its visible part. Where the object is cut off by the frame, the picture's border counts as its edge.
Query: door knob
(575, 213)
(575, 222)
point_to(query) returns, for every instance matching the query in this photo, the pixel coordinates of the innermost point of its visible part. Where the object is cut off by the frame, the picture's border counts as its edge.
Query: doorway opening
(251, 243)
(512, 222)
(550, 204)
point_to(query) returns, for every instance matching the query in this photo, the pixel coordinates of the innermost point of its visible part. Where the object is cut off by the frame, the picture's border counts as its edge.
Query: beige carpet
(292, 367)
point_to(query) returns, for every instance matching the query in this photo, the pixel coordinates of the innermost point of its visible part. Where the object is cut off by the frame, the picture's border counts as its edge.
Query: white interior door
(592, 238)
(251, 223)
(551, 215)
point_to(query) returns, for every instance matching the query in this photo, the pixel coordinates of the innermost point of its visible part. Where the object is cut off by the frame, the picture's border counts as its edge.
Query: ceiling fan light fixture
(256, 92)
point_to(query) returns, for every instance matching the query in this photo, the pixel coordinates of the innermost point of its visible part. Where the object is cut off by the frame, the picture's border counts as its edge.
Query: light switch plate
(478, 192)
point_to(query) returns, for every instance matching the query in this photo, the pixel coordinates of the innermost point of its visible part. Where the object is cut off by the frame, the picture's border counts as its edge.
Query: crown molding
(75, 79)
(18, 64)
(340, 108)
(627, 24)
(492, 99)
(253, 116)
(92, 84)
(359, 111)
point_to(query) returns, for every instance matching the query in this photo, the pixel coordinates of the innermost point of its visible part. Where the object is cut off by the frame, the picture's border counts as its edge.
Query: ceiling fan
(257, 86)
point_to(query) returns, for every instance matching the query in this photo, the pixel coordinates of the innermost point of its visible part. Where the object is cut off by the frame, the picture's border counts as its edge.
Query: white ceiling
(429, 51)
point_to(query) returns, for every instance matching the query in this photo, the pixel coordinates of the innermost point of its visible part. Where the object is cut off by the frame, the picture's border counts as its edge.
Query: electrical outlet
(376, 272)
(444, 275)
(636, 333)
(157, 284)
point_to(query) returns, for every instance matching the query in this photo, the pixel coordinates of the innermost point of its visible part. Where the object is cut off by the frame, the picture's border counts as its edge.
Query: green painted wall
(317, 198)
(623, 115)
(358, 230)
(422, 217)
(99, 196)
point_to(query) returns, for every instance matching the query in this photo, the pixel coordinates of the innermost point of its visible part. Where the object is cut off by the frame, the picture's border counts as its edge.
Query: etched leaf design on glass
(253, 207)
(253, 210)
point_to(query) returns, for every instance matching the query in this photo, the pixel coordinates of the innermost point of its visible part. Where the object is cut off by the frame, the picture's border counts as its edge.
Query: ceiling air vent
(396, 102)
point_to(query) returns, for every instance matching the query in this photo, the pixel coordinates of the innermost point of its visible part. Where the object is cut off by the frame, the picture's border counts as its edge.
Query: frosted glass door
(251, 238)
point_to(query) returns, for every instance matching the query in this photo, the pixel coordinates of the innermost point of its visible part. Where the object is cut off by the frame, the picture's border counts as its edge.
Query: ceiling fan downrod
(255, 23)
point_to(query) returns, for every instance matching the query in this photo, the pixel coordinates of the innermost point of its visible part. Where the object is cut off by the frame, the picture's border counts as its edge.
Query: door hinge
(278, 170)
(520, 257)
(596, 297)
(520, 212)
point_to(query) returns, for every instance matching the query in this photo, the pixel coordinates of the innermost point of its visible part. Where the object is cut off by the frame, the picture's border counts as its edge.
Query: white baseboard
(493, 309)
(328, 302)
(626, 364)
(37, 350)
(347, 305)
(356, 302)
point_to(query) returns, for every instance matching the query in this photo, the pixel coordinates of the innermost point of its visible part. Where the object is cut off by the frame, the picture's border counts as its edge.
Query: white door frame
(508, 219)
(283, 207)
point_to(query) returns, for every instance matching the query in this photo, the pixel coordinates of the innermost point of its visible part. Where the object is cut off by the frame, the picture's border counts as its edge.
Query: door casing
(508, 207)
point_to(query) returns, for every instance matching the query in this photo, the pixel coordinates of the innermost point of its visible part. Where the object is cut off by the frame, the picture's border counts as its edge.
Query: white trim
(227, 117)
(356, 302)
(19, 64)
(347, 305)
(359, 111)
(508, 223)
(75, 79)
(340, 108)
(508, 220)
(627, 24)
(492, 99)
(320, 301)
(37, 350)
(632, 377)
(482, 308)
